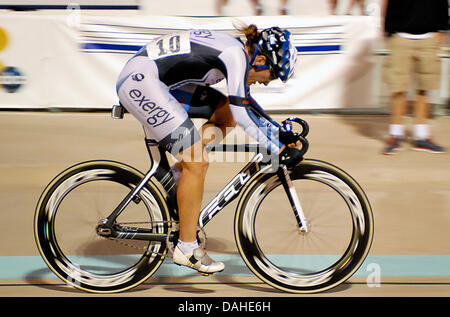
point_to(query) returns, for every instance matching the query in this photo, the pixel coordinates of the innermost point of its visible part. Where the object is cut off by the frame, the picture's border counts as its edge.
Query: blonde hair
(250, 32)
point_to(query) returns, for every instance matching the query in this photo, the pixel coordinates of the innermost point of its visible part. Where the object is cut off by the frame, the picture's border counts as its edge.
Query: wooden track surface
(409, 193)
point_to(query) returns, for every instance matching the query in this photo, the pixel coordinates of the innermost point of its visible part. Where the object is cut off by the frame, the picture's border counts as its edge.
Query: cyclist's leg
(149, 100)
(207, 103)
(222, 118)
(194, 164)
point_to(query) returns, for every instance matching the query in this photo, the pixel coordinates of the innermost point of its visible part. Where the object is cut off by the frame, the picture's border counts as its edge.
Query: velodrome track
(409, 193)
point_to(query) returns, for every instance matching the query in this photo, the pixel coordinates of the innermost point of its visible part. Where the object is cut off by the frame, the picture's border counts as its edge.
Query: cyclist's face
(262, 76)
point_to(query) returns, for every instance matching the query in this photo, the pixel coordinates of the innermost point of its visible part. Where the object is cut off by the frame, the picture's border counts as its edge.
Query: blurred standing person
(284, 7)
(219, 6)
(333, 6)
(257, 8)
(360, 5)
(415, 30)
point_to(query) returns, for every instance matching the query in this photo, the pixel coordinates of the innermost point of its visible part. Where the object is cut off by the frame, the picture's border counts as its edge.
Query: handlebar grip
(305, 145)
(303, 123)
(287, 125)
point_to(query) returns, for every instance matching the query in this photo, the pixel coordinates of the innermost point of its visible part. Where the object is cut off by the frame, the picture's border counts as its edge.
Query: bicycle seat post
(154, 163)
(153, 150)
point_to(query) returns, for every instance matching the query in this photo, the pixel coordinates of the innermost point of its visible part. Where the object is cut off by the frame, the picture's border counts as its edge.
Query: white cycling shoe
(198, 260)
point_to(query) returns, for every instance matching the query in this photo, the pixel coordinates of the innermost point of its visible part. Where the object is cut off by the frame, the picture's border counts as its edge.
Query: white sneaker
(198, 260)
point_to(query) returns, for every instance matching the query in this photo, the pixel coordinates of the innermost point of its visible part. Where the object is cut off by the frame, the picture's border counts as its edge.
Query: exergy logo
(156, 115)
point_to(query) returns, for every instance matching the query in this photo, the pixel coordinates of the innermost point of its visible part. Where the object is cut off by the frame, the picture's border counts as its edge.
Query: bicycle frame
(231, 191)
(228, 193)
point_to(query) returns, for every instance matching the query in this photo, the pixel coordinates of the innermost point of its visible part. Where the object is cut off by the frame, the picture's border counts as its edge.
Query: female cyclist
(168, 82)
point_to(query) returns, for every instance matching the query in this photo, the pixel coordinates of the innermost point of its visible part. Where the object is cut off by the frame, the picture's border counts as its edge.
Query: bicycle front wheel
(67, 216)
(339, 236)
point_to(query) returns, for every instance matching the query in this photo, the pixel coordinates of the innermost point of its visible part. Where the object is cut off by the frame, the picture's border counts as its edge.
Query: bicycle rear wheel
(68, 213)
(338, 240)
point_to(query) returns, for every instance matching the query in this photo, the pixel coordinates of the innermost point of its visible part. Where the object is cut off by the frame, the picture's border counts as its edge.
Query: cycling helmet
(275, 44)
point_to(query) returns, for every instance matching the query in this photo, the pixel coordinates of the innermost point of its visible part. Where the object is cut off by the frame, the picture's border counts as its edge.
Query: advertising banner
(72, 59)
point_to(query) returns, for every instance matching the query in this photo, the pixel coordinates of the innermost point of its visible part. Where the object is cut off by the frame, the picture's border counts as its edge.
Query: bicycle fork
(291, 193)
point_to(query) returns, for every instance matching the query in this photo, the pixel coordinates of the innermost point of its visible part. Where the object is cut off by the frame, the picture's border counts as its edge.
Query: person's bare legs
(221, 119)
(283, 7)
(333, 6)
(421, 133)
(219, 5)
(257, 8)
(352, 4)
(190, 193)
(421, 107)
(193, 166)
(396, 127)
(398, 107)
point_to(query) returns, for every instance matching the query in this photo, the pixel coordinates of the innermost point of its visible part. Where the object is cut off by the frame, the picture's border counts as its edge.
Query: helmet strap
(254, 57)
(252, 60)
(261, 66)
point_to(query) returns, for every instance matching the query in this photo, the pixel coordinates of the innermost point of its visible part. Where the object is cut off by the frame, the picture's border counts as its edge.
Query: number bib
(169, 45)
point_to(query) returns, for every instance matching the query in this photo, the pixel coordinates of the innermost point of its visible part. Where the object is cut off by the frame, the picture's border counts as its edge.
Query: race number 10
(169, 45)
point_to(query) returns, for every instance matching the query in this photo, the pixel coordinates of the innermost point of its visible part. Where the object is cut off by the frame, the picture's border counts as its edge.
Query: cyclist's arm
(258, 126)
(257, 108)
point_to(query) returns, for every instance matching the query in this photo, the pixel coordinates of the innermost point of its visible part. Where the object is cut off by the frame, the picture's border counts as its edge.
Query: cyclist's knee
(223, 117)
(195, 158)
(195, 167)
(228, 116)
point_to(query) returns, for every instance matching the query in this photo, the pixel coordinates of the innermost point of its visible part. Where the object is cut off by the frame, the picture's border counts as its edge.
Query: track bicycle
(104, 227)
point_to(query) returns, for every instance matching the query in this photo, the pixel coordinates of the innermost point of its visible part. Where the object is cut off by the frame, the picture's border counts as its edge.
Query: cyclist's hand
(290, 156)
(297, 144)
(289, 138)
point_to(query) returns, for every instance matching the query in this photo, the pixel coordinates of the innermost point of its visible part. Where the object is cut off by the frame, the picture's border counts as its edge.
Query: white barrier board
(72, 59)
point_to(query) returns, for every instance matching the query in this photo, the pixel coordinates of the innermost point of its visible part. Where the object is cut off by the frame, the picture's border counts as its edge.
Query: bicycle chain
(122, 242)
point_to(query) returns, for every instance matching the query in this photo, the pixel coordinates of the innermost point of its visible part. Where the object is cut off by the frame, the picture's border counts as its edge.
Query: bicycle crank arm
(129, 233)
(293, 198)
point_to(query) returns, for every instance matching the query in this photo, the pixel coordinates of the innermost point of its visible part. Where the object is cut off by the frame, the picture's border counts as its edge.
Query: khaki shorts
(413, 60)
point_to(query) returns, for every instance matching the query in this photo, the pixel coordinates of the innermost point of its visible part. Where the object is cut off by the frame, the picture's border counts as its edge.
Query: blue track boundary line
(29, 267)
(234, 283)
